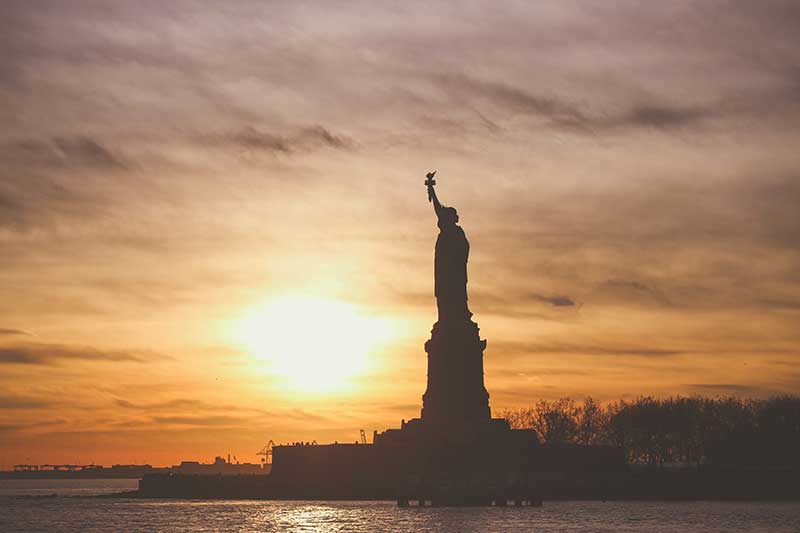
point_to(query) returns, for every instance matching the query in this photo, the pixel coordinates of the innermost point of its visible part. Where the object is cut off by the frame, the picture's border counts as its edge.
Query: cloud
(555, 301)
(391, 407)
(180, 405)
(529, 348)
(562, 114)
(673, 243)
(793, 305)
(502, 298)
(54, 354)
(728, 388)
(509, 301)
(204, 421)
(301, 414)
(76, 152)
(533, 372)
(60, 178)
(38, 200)
(301, 140)
(557, 111)
(11, 331)
(10, 428)
(629, 292)
(662, 117)
(14, 401)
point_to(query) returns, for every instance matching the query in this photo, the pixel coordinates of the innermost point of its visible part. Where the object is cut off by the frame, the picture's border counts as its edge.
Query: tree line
(724, 432)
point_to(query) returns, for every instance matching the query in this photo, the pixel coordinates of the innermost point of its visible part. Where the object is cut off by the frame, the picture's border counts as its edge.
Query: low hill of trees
(726, 432)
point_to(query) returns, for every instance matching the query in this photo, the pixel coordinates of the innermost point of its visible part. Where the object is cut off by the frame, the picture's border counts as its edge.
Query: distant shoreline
(70, 475)
(610, 486)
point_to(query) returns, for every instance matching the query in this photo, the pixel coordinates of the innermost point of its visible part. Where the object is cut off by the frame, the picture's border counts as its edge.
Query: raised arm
(437, 207)
(430, 182)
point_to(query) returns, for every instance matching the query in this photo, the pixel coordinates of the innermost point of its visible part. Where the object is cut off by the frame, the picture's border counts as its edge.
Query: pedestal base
(455, 395)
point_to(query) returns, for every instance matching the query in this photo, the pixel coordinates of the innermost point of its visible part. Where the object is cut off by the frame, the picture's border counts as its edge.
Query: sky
(214, 230)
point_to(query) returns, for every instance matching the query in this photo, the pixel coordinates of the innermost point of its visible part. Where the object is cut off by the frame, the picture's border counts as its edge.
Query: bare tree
(591, 422)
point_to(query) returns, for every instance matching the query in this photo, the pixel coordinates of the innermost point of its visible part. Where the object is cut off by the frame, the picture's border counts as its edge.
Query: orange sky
(177, 181)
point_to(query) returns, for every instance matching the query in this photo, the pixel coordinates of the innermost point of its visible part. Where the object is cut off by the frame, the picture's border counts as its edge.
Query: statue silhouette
(455, 395)
(450, 262)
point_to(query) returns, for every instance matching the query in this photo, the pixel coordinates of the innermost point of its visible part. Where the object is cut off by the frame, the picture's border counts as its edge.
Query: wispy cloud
(179, 405)
(728, 388)
(54, 354)
(16, 401)
(555, 301)
(201, 421)
(301, 140)
(12, 332)
(77, 152)
(533, 348)
(562, 114)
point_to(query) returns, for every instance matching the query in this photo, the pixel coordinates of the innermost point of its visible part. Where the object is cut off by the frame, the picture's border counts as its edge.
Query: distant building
(219, 466)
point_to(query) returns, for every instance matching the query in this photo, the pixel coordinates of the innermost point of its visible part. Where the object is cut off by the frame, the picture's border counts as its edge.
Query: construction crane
(363, 437)
(266, 451)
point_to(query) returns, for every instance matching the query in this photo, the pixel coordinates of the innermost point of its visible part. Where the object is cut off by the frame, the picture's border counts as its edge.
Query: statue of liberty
(450, 263)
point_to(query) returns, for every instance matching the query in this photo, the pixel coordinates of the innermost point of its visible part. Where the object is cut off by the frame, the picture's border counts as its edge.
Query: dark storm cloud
(54, 354)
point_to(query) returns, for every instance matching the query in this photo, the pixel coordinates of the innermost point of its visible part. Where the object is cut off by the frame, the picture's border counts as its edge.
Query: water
(66, 513)
(64, 487)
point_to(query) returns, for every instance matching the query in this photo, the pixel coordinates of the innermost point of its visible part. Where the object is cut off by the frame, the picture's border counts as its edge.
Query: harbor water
(67, 505)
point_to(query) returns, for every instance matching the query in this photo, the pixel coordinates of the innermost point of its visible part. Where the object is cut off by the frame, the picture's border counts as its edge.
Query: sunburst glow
(314, 345)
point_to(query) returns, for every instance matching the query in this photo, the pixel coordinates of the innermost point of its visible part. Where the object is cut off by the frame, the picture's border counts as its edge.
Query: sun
(313, 345)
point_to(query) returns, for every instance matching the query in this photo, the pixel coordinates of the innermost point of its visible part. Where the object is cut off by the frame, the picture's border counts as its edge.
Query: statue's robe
(450, 273)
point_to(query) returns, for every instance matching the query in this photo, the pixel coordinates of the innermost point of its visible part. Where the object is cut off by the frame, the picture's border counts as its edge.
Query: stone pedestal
(455, 396)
